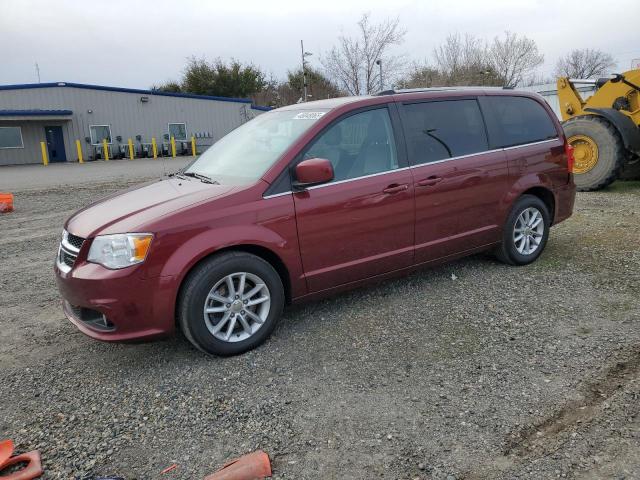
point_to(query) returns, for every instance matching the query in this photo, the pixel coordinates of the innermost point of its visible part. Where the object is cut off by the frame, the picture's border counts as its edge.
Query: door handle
(395, 188)
(428, 182)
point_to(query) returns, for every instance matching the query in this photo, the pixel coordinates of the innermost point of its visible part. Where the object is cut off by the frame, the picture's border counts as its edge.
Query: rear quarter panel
(541, 164)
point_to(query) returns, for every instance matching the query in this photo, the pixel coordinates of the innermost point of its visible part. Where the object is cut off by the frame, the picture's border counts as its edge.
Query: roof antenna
(38, 71)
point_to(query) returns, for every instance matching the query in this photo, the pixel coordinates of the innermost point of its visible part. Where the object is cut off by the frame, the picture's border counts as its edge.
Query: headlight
(121, 250)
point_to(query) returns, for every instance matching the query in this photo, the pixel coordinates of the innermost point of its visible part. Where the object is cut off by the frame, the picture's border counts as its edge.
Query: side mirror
(313, 171)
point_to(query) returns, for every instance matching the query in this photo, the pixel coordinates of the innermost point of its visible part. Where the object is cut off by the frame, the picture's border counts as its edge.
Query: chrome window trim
(540, 142)
(443, 160)
(386, 172)
(289, 192)
(419, 165)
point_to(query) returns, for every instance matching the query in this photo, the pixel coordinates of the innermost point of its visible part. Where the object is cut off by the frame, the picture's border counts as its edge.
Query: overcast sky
(135, 43)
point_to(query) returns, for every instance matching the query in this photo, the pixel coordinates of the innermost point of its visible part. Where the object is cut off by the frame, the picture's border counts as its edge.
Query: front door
(55, 144)
(360, 224)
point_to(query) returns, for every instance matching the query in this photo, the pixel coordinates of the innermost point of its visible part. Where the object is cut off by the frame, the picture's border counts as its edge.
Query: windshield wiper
(179, 174)
(201, 177)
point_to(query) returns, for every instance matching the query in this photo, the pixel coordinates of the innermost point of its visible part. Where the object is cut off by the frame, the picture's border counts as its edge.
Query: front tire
(230, 303)
(525, 232)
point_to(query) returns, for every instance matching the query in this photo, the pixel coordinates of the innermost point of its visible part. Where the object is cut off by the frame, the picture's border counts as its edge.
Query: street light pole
(304, 71)
(304, 74)
(379, 63)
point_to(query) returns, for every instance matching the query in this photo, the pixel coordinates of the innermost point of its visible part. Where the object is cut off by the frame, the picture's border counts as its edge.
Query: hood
(131, 210)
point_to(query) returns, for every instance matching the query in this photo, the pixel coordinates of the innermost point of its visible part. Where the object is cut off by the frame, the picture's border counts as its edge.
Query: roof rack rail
(394, 91)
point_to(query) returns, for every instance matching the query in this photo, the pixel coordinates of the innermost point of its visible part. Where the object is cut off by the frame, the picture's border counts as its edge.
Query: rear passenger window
(516, 121)
(443, 129)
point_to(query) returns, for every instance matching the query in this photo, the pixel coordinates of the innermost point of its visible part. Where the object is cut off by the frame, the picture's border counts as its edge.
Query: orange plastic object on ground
(253, 466)
(6, 202)
(32, 470)
(6, 450)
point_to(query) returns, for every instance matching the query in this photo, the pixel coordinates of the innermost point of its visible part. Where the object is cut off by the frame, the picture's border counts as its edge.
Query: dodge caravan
(311, 199)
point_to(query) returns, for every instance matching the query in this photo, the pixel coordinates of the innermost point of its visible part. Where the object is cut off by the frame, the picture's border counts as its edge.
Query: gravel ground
(472, 370)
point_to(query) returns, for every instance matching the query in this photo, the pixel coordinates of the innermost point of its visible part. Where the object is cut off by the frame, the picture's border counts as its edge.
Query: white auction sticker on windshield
(308, 115)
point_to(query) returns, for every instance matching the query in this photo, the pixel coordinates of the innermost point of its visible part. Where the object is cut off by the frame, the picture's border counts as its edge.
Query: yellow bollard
(130, 149)
(154, 147)
(105, 150)
(193, 146)
(45, 157)
(173, 147)
(79, 148)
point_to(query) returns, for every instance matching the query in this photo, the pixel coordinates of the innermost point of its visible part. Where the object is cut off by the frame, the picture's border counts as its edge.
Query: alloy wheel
(237, 306)
(528, 231)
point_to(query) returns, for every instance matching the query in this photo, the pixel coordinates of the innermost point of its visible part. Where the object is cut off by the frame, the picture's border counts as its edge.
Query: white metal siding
(550, 93)
(124, 111)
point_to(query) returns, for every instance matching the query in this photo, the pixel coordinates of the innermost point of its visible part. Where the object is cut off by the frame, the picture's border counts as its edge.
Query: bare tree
(584, 63)
(352, 63)
(421, 76)
(468, 60)
(513, 58)
(464, 61)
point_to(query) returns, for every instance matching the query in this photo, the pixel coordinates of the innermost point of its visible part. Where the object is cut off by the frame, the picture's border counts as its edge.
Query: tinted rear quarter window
(516, 120)
(443, 129)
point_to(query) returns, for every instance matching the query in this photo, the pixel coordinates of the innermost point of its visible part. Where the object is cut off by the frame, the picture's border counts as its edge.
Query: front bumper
(134, 308)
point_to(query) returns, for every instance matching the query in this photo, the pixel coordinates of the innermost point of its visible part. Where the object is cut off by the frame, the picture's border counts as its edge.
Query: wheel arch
(266, 254)
(628, 131)
(547, 197)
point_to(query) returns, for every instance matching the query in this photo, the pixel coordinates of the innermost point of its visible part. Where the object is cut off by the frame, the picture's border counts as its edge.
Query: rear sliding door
(459, 182)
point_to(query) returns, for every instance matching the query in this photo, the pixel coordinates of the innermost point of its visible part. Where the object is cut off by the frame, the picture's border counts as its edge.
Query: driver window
(359, 145)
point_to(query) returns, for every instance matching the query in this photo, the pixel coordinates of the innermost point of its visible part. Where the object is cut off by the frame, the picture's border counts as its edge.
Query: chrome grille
(67, 258)
(74, 241)
(68, 251)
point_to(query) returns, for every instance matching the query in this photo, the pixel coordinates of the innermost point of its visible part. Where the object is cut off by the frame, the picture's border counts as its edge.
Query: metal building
(60, 114)
(550, 93)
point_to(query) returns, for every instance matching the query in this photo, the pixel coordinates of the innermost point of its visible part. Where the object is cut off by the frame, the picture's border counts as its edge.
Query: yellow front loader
(604, 130)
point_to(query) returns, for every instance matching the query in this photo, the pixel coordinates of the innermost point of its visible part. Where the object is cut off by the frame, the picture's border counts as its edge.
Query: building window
(11, 137)
(100, 133)
(178, 131)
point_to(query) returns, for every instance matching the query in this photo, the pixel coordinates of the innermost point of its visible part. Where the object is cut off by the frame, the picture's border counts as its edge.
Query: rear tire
(631, 169)
(230, 303)
(610, 152)
(529, 217)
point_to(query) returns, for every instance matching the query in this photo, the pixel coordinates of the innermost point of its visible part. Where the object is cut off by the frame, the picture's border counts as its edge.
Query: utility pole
(38, 71)
(379, 63)
(304, 71)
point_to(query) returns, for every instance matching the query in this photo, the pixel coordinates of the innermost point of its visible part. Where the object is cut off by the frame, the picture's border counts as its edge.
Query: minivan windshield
(245, 154)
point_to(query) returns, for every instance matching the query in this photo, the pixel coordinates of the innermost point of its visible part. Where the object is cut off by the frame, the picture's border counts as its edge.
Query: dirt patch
(538, 440)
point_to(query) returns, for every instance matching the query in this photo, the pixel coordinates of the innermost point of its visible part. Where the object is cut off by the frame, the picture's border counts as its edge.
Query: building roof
(25, 86)
(34, 113)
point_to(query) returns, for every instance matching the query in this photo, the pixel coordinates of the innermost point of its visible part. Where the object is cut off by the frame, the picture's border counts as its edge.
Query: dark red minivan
(311, 199)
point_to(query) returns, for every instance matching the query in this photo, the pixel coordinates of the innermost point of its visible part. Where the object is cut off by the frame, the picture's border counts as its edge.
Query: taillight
(568, 150)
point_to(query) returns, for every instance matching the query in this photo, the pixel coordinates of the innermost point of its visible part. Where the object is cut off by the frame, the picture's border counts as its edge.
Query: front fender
(205, 243)
(628, 130)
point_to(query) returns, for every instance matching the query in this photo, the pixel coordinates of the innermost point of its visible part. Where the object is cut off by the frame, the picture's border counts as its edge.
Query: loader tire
(631, 169)
(598, 150)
